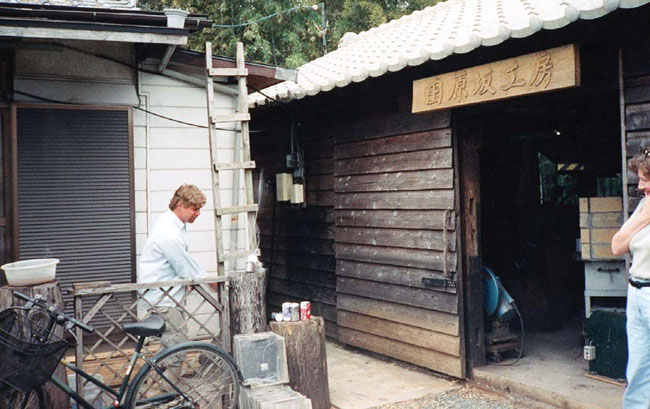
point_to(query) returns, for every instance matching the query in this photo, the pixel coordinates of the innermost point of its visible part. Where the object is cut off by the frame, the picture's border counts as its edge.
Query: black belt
(639, 284)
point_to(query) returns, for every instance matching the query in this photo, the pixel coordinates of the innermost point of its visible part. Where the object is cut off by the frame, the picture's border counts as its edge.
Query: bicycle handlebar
(60, 316)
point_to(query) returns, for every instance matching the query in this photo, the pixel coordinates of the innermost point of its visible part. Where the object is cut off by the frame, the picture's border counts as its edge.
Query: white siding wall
(180, 153)
(175, 153)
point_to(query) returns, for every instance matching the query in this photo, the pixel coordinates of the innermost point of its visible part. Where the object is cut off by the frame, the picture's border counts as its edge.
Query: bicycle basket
(27, 359)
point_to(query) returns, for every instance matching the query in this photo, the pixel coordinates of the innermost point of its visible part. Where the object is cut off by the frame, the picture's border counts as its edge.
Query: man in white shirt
(166, 257)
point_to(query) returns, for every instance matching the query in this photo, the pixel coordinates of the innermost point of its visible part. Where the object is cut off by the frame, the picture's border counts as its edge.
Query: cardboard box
(600, 219)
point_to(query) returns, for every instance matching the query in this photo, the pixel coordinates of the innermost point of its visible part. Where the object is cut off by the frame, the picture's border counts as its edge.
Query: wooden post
(54, 397)
(306, 358)
(470, 139)
(247, 303)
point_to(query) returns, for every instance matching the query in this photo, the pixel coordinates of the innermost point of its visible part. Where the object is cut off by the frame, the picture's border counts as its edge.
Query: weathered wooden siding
(301, 239)
(636, 99)
(393, 181)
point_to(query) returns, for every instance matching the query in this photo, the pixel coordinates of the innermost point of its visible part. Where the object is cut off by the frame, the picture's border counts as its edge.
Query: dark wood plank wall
(636, 93)
(393, 182)
(301, 238)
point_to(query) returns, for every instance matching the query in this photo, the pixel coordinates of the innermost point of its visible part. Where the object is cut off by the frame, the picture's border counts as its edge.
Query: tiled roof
(453, 26)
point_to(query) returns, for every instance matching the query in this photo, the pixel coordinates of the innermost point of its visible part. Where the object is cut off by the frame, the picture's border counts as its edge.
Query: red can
(305, 310)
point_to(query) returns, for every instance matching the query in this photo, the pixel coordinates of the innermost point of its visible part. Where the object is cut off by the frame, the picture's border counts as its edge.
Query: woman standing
(634, 237)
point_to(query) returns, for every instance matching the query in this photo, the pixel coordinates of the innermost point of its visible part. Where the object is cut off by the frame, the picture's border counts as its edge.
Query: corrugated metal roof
(454, 26)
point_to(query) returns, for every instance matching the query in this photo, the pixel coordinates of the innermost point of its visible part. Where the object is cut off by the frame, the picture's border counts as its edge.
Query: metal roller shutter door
(74, 193)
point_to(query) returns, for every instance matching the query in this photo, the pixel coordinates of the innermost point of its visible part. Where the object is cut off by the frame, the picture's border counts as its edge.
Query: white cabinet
(604, 279)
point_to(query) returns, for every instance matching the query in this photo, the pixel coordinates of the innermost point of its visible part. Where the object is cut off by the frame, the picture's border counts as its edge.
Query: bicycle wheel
(205, 374)
(14, 399)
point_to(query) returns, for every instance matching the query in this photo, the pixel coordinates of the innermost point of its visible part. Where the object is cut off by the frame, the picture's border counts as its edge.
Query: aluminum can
(286, 311)
(305, 310)
(277, 316)
(295, 311)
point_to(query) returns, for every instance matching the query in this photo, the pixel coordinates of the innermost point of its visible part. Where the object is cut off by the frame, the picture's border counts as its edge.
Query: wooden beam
(395, 162)
(396, 256)
(405, 238)
(415, 297)
(427, 358)
(403, 276)
(93, 35)
(394, 219)
(424, 199)
(394, 181)
(440, 138)
(447, 344)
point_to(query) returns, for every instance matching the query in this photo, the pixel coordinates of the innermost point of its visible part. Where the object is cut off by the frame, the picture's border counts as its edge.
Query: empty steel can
(305, 310)
(286, 311)
(295, 311)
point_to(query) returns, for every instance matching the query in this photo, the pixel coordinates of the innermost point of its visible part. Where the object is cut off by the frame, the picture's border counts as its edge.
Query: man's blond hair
(187, 195)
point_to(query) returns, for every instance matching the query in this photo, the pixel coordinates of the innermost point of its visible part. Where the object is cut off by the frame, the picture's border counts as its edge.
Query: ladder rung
(227, 72)
(234, 165)
(236, 255)
(237, 209)
(237, 117)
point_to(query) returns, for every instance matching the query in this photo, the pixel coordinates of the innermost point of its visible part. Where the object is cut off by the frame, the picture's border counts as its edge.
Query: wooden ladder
(242, 141)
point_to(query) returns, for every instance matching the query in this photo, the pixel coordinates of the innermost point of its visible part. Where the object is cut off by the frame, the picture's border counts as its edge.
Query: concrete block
(605, 204)
(586, 251)
(583, 204)
(585, 220)
(584, 236)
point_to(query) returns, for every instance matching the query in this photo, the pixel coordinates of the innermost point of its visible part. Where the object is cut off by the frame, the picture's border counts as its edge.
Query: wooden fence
(107, 351)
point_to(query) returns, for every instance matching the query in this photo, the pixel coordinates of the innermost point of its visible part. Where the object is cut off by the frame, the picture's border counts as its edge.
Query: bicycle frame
(118, 395)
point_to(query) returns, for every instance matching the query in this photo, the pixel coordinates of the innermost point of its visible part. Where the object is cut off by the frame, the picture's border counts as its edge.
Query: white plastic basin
(30, 272)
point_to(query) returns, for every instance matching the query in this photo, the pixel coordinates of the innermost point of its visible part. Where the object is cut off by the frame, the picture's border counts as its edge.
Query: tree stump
(306, 358)
(54, 397)
(247, 303)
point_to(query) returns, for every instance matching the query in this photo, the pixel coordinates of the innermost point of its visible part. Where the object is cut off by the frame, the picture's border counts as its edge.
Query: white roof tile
(434, 33)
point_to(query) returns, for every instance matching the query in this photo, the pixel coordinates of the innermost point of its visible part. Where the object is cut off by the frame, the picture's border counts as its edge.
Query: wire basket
(29, 353)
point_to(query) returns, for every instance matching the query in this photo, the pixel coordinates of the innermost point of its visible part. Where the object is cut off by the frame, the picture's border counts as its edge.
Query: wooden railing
(109, 306)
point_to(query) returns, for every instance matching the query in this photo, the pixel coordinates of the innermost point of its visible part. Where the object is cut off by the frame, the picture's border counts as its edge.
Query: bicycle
(188, 375)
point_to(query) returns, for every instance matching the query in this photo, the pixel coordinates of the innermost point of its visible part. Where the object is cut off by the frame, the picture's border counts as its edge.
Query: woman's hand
(622, 238)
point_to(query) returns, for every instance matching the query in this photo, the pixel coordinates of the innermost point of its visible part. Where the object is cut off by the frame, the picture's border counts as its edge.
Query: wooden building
(435, 144)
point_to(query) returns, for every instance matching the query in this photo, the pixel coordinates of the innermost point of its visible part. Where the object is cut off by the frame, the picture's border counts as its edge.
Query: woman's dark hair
(641, 163)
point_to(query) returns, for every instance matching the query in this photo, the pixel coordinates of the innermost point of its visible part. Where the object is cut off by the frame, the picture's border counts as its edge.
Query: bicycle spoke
(202, 373)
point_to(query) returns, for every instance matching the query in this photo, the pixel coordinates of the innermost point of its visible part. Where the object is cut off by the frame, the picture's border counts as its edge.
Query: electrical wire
(521, 349)
(313, 7)
(54, 101)
(139, 69)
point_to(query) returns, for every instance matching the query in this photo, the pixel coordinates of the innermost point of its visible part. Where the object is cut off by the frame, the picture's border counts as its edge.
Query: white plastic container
(30, 272)
(176, 17)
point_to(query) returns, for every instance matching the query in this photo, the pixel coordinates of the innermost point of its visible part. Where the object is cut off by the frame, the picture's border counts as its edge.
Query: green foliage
(287, 39)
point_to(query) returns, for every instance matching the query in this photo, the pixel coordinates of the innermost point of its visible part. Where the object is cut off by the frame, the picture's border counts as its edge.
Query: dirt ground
(466, 397)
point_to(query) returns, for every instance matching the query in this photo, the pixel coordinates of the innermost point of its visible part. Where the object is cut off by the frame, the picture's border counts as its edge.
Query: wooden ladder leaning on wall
(242, 141)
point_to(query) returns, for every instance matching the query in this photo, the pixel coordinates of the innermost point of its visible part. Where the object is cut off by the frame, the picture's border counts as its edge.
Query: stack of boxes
(600, 219)
(605, 274)
(262, 359)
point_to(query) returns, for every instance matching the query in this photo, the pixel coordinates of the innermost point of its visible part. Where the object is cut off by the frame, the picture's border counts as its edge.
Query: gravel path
(464, 397)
